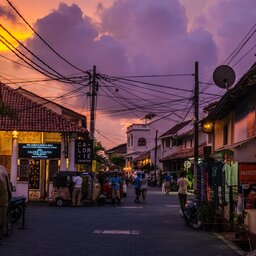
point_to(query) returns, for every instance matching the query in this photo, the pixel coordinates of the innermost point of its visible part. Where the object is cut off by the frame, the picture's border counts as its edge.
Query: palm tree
(98, 154)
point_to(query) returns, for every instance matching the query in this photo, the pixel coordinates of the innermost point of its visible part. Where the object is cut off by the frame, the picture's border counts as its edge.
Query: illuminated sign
(39, 151)
(83, 151)
(247, 173)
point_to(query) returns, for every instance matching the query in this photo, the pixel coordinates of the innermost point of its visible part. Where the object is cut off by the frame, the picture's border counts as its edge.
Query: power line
(50, 47)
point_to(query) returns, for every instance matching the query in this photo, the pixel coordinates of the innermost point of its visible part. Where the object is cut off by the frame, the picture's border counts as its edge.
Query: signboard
(39, 151)
(187, 164)
(83, 151)
(247, 173)
(94, 165)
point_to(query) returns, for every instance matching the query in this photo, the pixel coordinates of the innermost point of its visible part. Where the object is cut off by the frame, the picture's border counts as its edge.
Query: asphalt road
(153, 228)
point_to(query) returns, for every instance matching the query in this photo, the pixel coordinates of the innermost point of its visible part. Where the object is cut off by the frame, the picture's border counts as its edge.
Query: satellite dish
(224, 76)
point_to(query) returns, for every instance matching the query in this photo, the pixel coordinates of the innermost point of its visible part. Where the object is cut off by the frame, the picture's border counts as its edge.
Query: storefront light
(15, 134)
(208, 127)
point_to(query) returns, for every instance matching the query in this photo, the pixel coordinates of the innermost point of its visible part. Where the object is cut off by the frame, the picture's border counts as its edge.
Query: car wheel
(59, 202)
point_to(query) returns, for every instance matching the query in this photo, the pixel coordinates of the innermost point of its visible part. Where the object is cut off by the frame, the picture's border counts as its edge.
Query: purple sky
(132, 38)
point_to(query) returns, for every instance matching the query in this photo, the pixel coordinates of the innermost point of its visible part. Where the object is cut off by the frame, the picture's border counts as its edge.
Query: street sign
(83, 151)
(187, 164)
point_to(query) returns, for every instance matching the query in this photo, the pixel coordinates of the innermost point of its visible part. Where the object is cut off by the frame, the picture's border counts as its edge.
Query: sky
(144, 52)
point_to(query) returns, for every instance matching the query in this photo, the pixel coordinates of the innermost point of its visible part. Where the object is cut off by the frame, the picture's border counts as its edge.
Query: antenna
(224, 76)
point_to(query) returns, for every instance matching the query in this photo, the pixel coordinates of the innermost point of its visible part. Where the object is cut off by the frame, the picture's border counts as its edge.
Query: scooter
(191, 214)
(15, 211)
(16, 207)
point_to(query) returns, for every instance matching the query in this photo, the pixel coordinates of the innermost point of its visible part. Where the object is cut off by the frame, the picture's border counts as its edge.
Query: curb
(231, 245)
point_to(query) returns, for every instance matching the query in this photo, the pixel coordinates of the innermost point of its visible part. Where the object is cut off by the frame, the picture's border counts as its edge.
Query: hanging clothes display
(215, 177)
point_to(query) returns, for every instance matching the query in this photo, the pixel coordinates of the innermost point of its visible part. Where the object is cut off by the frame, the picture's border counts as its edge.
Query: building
(232, 124)
(116, 155)
(178, 147)
(37, 138)
(141, 138)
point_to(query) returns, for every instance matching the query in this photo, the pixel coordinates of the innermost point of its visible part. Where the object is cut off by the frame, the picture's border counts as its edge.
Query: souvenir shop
(229, 187)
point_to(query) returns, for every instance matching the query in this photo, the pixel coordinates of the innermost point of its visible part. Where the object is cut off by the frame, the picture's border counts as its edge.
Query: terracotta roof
(143, 156)
(120, 149)
(175, 129)
(184, 153)
(31, 116)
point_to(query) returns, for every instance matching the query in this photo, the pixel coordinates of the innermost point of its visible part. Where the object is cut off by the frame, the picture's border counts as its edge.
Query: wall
(218, 131)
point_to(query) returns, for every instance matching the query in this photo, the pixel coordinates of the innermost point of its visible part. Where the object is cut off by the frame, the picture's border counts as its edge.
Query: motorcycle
(15, 208)
(15, 212)
(191, 214)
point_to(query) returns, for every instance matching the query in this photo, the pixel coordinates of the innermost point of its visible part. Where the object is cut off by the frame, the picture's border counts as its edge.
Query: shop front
(36, 141)
(247, 177)
(37, 163)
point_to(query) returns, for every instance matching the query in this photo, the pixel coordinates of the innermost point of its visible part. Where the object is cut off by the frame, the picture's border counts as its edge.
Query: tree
(99, 155)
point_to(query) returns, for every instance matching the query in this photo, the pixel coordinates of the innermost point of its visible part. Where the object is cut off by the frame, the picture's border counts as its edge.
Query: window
(141, 142)
(167, 143)
(225, 134)
(131, 141)
(209, 138)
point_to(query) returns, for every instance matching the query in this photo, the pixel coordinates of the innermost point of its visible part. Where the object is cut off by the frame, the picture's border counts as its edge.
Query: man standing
(115, 183)
(182, 183)
(143, 186)
(77, 191)
(137, 185)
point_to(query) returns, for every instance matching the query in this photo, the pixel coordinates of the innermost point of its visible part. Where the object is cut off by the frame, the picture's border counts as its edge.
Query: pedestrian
(77, 191)
(115, 186)
(143, 186)
(137, 188)
(182, 183)
(167, 183)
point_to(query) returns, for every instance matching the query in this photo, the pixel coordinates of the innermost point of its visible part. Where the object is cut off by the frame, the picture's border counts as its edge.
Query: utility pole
(196, 100)
(93, 94)
(155, 153)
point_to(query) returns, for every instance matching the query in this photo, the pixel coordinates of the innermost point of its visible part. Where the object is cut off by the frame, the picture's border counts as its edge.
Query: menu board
(23, 170)
(34, 174)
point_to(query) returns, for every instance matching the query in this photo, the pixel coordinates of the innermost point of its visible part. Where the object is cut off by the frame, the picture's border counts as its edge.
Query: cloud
(229, 21)
(7, 13)
(141, 38)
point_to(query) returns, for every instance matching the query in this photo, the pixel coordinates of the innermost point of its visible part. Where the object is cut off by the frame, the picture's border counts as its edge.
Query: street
(151, 228)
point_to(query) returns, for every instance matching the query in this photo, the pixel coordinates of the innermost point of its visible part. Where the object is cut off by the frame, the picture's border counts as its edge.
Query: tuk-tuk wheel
(59, 202)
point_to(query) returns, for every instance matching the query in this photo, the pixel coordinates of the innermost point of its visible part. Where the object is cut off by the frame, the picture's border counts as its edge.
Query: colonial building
(178, 147)
(141, 138)
(232, 123)
(37, 138)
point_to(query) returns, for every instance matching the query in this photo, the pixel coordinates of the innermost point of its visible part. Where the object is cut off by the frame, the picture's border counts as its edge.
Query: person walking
(143, 186)
(115, 185)
(77, 191)
(137, 185)
(167, 183)
(182, 183)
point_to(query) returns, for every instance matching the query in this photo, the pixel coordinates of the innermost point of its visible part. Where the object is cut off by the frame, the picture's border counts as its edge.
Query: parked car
(63, 188)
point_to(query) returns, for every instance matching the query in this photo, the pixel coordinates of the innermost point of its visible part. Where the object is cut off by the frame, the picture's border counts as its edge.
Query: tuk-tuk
(63, 188)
